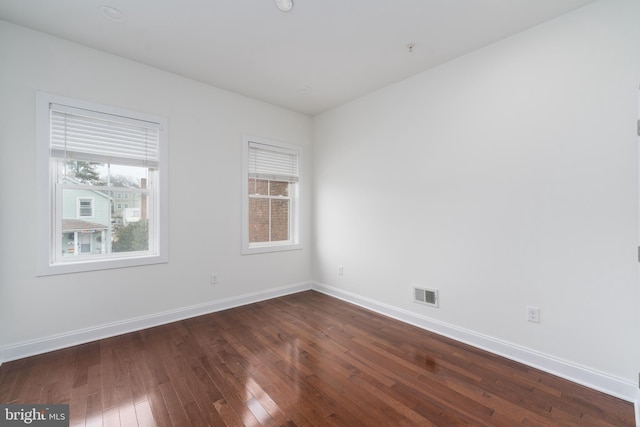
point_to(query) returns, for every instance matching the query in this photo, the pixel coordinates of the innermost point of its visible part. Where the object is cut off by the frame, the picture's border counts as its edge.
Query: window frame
(295, 198)
(47, 263)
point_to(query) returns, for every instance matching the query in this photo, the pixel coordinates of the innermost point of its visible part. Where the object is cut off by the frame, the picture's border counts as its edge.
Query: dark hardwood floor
(300, 360)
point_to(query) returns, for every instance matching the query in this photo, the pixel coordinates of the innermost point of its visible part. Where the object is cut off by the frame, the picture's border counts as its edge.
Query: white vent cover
(425, 296)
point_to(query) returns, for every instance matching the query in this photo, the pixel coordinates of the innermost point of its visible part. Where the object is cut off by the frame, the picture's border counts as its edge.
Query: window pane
(92, 173)
(279, 220)
(127, 176)
(109, 228)
(258, 220)
(85, 222)
(132, 237)
(131, 224)
(279, 188)
(78, 204)
(128, 207)
(81, 172)
(82, 242)
(258, 186)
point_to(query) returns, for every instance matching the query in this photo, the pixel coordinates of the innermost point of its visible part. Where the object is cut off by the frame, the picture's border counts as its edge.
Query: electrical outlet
(340, 270)
(214, 278)
(533, 314)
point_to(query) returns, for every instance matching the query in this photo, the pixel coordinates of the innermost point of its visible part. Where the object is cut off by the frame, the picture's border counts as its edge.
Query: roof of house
(69, 179)
(80, 225)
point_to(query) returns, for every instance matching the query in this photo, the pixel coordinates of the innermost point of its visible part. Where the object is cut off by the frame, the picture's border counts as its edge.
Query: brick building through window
(271, 199)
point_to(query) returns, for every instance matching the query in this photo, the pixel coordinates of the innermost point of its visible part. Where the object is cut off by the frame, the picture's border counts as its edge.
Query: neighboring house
(122, 201)
(130, 215)
(85, 222)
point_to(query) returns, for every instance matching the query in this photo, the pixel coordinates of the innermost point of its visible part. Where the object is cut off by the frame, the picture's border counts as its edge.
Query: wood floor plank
(204, 391)
(144, 415)
(158, 407)
(174, 406)
(94, 411)
(10, 380)
(305, 359)
(285, 394)
(195, 416)
(78, 405)
(127, 413)
(109, 377)
(111, 417)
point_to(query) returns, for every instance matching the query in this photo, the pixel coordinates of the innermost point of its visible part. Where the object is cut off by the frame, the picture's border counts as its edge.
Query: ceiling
(319, 55)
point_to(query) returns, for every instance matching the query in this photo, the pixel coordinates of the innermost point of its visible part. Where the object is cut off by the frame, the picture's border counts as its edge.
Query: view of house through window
(93, 220)
(101, 197)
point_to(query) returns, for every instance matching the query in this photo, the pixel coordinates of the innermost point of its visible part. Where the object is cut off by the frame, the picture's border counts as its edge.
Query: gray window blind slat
(273, 163)
(86, 135)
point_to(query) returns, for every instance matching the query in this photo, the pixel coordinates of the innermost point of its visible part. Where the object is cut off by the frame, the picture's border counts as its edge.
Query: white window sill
(99, 264)
(270, 247)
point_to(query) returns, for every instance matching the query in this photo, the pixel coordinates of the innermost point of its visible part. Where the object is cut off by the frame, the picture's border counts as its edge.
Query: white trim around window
(273, 163)
(57, 233)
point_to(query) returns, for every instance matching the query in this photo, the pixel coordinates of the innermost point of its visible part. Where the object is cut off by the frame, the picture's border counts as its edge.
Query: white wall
(504, 178)
(205, 146)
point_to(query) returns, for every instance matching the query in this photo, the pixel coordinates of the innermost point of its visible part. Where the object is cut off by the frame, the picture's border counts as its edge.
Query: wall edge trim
(81, 336)
(576, 373)
(637, 406)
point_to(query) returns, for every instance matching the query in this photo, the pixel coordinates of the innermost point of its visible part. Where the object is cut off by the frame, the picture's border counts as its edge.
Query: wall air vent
(425, 296)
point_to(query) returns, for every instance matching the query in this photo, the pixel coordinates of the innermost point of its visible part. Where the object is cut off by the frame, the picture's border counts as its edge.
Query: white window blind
(78, 134)
(272, 163)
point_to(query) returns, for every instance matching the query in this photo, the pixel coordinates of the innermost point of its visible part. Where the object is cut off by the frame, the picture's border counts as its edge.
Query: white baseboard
(55, 342)
(608, 384)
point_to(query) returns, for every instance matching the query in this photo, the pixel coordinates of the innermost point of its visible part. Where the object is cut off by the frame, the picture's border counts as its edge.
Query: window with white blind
(271, 199)
(88, 157)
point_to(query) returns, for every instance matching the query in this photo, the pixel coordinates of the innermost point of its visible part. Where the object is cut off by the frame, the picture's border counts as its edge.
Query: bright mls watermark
(34, 415)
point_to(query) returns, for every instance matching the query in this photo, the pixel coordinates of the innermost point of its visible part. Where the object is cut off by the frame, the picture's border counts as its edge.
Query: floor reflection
(260, 405)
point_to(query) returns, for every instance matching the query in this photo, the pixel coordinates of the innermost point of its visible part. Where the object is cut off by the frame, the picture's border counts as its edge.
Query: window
(85, 208)
(88, 155)
(271, 201)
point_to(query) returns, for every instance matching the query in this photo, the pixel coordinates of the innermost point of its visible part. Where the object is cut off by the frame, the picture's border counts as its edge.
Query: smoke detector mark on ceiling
(113, 14)
(284, 5)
